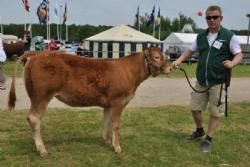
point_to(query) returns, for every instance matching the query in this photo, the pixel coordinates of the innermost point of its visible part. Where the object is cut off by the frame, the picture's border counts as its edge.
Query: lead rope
(206, 90)
(197, 91)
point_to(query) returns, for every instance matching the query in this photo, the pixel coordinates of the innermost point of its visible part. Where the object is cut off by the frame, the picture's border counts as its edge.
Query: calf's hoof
(118, 150)
(107, 142)
(43, 153)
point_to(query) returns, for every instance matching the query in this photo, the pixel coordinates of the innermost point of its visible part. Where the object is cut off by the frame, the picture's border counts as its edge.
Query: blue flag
(137, 18)
(42, 12)
(158, 20)
(151, 19)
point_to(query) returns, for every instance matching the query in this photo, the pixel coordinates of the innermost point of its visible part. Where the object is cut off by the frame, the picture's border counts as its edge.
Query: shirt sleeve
(194, 46)
(235, 45)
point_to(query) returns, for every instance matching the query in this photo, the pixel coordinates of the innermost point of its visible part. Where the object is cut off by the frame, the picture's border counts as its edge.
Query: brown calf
(81, 81)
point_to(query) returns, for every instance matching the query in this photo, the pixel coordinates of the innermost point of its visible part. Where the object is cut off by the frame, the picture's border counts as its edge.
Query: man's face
(214, 19)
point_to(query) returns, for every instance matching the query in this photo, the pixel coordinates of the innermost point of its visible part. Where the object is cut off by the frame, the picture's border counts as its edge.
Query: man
(2, 60)
(219, 51)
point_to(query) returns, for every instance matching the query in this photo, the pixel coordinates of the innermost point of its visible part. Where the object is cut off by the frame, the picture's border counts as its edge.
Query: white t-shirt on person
(2, 53)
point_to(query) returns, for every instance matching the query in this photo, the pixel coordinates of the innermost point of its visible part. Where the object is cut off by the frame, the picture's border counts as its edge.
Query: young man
(2, 60)
(219, 51)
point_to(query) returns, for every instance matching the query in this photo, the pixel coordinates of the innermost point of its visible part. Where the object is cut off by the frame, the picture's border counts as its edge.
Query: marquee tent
(119, 41)
(180, 39)
(8, 38)
(186, 39)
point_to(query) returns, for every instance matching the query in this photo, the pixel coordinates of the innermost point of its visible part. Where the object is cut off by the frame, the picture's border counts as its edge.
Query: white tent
(118, 41)
(8, 38)
(180, 39)
(242, 39)
(184, 40)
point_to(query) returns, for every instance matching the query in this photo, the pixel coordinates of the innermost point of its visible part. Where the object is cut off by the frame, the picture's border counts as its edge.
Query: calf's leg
(116, 114)
(34, 120)
(106, 127)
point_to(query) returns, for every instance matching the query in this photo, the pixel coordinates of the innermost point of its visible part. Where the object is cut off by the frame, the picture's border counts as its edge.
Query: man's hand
(175, 65)
(228, 64)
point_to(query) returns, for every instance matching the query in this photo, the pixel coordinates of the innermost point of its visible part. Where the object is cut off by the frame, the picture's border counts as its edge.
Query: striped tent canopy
(119, 41)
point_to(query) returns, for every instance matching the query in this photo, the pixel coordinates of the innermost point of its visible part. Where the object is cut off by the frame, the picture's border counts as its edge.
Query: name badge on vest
(217, 44)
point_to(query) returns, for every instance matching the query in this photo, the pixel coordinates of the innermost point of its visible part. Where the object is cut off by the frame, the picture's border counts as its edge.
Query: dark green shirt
(210, 69)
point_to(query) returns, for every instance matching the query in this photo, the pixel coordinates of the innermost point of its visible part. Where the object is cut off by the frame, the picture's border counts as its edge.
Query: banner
(42, 12)
(137, 19)
(26, 5)
(151, 19)
(65, 14)
(158, 20)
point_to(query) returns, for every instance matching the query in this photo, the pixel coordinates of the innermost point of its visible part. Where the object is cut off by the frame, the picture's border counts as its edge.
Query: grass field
(150, 137)
(239, 71)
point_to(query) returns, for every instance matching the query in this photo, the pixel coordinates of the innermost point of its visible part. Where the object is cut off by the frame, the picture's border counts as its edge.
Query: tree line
(78, 33)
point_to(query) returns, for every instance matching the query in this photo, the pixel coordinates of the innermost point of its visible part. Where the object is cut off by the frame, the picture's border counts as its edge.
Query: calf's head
(156, 61)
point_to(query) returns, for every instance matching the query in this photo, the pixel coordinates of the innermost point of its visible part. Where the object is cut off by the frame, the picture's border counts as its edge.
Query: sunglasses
(212, 17)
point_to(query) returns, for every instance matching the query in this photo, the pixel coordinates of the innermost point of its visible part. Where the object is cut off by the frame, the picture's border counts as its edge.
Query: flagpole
(1, 25)
(57, 26)
(31, 31)
(60, 22)
(24, 31)
(154, 29)
(160, 32)
(57, 30)
(67, 38)
(139, 26)
(25, 20)
(48, 20)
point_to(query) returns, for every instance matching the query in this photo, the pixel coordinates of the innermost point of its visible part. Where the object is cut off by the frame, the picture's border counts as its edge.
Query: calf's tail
(12, 93)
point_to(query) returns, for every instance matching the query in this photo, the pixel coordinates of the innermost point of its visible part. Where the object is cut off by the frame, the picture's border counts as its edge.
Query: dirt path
(151, 93)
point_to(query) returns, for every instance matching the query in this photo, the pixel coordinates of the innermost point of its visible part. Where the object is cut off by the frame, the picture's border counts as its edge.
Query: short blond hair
(213, 8)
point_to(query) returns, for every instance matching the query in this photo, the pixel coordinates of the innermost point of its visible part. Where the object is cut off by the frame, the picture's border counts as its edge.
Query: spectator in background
(81, 51)
(62, 47)
(2, 60)
(53, 45)
(27, 39)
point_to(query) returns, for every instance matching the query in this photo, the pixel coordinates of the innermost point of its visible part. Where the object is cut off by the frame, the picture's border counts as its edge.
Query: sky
(117, 12)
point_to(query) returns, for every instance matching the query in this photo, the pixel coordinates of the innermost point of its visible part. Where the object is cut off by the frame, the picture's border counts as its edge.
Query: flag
(26, 5)
(137, 18)
(56, 9)
(65, 14)
(151, 19)
(158, 20)
(42, 11)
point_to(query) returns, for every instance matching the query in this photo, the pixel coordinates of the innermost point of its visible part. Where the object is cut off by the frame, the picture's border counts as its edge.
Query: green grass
(9, 68)
(149, 137)
(238, 71)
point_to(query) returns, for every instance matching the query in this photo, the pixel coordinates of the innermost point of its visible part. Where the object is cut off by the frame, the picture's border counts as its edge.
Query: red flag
(26, 5)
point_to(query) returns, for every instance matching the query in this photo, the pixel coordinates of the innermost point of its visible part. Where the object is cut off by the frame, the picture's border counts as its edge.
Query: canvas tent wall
(186, 39)
(176, 43)
(119, 41)
(8, 38)
(179, 39)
